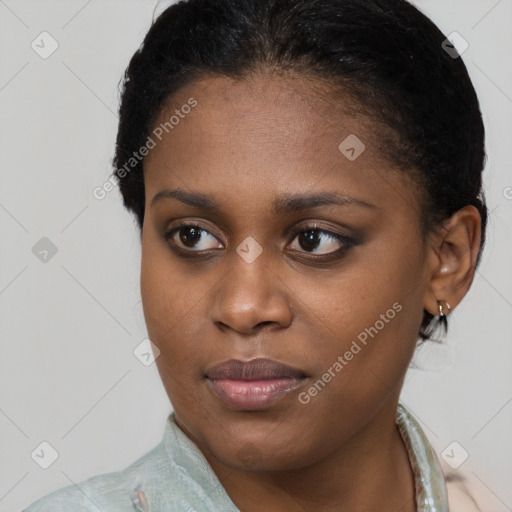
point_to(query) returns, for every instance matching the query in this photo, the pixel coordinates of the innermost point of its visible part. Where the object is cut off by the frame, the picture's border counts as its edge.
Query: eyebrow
(282, 204)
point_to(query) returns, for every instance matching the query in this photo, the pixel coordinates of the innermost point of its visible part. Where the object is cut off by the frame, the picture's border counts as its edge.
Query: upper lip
(255, 369)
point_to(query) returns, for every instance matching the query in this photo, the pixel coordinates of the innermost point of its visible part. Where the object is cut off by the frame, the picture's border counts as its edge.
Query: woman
(306, 176)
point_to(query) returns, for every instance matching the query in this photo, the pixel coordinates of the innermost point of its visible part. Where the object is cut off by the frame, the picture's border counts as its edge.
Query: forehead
(266, 134)
(276, 114)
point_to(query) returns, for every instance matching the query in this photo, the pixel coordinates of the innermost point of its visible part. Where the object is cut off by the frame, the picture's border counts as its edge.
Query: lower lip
(253, 394)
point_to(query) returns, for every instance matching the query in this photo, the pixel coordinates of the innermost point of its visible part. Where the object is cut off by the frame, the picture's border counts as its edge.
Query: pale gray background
(68, 375)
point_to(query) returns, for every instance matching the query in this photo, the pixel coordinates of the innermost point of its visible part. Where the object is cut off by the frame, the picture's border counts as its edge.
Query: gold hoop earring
(441, 309)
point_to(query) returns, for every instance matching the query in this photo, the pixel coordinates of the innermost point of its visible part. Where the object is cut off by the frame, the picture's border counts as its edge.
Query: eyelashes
(315, 238)
(192, 240)
(192, 234)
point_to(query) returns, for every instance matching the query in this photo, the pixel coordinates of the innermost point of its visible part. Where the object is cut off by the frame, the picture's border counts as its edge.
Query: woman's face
(302, 251)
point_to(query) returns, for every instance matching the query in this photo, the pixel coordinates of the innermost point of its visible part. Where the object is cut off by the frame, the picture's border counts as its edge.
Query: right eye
(192, 238)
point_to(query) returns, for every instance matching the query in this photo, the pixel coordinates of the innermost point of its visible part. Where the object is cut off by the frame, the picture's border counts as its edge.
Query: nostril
(261, 324)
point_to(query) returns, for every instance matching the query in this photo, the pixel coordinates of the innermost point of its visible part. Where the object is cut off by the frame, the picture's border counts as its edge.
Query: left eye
(312, 239)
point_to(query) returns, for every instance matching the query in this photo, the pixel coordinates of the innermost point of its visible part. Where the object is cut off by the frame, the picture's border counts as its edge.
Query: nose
(251, 297)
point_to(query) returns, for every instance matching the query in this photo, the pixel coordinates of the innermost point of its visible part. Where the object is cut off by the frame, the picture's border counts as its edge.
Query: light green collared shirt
(175, 477)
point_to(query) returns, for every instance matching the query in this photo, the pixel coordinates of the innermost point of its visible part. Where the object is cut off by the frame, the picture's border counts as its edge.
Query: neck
(371, 471)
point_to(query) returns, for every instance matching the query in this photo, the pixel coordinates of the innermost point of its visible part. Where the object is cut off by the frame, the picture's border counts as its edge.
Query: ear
(453, 251)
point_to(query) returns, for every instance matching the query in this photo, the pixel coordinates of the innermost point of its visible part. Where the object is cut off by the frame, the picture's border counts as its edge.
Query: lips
(254, 384)
(256, 369)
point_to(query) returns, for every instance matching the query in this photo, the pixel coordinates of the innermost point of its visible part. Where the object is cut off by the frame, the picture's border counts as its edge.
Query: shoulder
(460, 498)
(174, 475)
(467, 493)
(110, 492)
(60, 500)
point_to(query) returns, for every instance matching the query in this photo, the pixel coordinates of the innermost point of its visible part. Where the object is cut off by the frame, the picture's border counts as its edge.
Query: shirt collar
(430, 485)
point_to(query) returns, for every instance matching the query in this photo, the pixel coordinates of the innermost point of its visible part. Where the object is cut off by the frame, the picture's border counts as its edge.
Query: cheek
(167, 310)
(155, 291)
(173, 299)
(162, 284)
(164, 299)
(372, 316)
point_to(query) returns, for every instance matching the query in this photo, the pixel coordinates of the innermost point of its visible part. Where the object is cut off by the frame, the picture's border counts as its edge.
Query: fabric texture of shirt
(175, 476)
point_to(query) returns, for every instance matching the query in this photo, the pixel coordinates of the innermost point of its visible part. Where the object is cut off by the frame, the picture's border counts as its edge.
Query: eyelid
(195, 224)
(311, 225)
(315, 225)
(346, 241)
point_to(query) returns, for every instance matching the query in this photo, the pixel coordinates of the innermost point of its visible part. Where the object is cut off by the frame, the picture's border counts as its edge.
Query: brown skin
(244, 144)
